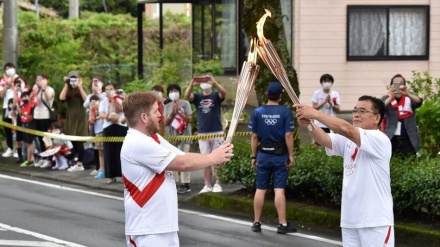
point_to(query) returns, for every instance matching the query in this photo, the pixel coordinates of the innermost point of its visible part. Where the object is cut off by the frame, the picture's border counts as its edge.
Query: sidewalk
(83, 178)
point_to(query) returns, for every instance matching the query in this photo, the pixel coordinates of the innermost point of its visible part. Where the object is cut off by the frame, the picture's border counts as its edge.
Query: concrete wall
(320, 47)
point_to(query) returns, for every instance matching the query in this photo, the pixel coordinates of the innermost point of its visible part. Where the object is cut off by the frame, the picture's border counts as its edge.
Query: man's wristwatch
(254, 157)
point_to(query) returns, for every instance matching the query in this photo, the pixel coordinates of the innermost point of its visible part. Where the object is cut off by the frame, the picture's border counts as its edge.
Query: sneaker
(100, 175)
(285, 229)
(76, 168)
(183, 188)
(46, 164)
(39, 163)
(7, 153)
(217, 188)
(19, 161)
(256, 227)
(94, 173)
(25, 163)
(205, 189)
(15, 154)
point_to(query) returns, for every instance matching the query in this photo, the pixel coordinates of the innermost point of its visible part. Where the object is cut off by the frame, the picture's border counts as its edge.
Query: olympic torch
(270, 57)
(246, 81)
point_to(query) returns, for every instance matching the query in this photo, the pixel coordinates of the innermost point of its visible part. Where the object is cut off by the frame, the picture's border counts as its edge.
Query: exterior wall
(320, 47)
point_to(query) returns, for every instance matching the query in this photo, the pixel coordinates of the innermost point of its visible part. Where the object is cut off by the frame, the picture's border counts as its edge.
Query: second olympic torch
(270, 57)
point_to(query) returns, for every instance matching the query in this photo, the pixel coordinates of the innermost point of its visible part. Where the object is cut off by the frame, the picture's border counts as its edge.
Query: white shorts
(153, 240)
(208, 145)
(382, 236)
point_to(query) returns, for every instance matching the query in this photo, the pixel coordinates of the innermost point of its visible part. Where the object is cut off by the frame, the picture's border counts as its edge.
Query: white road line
(62, 187)
(240, 222)
(59, 242)
(28, 243)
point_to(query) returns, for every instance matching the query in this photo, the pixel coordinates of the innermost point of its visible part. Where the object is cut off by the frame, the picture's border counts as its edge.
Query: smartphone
(201, 79)
(396, 86)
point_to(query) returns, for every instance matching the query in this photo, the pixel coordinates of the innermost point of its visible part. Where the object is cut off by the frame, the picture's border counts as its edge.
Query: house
(362, 43)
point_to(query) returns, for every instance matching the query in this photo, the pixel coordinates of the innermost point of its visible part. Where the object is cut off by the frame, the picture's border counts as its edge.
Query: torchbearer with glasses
(367, 205)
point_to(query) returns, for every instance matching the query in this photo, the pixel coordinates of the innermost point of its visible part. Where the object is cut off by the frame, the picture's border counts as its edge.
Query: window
(388, 33)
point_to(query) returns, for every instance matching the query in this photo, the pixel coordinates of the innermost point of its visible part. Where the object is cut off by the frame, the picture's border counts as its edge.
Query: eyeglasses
(362, 111)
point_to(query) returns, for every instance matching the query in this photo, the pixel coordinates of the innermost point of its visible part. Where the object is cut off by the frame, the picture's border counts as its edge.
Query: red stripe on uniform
(132, 241)
(388, 235)
(141, 197)
(354, 154)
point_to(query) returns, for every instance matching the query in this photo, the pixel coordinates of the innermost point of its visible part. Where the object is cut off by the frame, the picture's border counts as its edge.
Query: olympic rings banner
(112, 138)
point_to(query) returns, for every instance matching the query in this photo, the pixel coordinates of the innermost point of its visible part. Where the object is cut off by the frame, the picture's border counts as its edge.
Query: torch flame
(260, 25)
(252, 56)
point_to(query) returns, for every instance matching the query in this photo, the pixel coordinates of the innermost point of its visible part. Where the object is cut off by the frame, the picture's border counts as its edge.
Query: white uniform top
(366, 188)
(319, 96)
(143, 159)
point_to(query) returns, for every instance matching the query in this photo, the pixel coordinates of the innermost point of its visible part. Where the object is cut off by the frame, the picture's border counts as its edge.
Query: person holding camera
(43, 95)
(110, 110)
(208, 107)
(74, 94)
(95, 123)
(399, 123)
(6, 92)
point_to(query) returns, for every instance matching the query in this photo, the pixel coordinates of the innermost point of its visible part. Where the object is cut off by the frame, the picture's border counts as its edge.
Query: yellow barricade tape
(112, 138)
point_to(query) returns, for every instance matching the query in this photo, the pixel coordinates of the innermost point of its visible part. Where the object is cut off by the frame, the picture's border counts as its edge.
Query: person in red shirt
(25, 112)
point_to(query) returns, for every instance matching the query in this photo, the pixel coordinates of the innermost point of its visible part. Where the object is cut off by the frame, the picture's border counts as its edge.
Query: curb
(313, 216)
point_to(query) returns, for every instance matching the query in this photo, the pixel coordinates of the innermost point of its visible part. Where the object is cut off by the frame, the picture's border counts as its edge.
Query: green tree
(273, 31)
(99, 6)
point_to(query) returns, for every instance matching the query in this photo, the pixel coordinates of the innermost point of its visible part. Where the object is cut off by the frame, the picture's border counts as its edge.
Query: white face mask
(326, 85)
(56, 131)
(205, 86)
(174, 96)
(10, 72)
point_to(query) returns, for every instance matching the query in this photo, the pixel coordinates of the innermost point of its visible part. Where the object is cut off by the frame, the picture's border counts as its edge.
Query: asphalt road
(37, 213)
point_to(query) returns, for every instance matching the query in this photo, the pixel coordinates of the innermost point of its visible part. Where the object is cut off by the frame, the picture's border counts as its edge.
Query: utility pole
(73, 8)
(10, 32)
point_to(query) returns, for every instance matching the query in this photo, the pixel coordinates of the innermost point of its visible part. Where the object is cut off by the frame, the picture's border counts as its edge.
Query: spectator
(208, 107)
(97, 90)
(97, 124)
(64, 146)
(158, 89)
(74, 94)
(326, 100)
(43, 95)
(25, 111)
(147, 161)
(272, 154)
(177, 122)
(367, 204)
(7, 93)
(400, 117)
(13, 107)
(110, 110)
